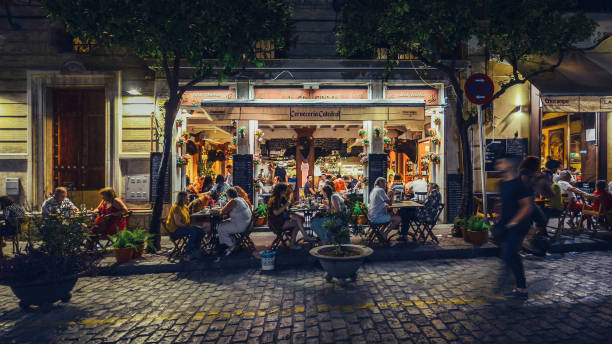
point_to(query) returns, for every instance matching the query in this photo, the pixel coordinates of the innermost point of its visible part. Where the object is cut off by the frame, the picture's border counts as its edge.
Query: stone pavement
(434, 301)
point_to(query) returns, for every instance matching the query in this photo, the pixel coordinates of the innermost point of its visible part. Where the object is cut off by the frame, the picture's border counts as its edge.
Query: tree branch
(166, 67)
(176, 67)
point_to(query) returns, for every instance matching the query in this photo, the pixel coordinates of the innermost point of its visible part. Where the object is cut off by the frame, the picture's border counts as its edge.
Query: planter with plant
(179, 123)
(261, 213)
(341, 260)
(477, 230)
(54, 258)
(141, 239)
(460, 228)
(123, 246)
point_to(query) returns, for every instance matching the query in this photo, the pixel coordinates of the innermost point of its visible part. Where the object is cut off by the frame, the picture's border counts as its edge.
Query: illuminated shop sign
(430, 96)
(302, 94)
(195, 98)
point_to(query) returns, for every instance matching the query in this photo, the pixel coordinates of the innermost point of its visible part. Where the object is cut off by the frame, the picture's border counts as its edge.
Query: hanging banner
(576, 103)
(301, 93)
(195, 98)
(429, 95)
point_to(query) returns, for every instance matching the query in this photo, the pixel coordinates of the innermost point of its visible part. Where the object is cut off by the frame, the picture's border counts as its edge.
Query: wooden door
(78, 140)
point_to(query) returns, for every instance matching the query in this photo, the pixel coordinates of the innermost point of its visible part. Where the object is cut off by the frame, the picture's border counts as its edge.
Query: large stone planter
(341, 267)
(44, 293)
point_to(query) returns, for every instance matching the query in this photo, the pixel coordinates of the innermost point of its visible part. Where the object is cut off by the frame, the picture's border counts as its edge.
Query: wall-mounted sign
(300, 93)
(195, 98)
(576, 103)
(313, 113)
(429, 95)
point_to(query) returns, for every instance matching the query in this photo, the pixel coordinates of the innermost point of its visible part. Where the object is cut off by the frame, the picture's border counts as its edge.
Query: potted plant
(242, 131)
(435, 158)
(123, 246)
(234, 123)
(460, 226)
(341, 259)
(48, 273)
(261, 213)
(179, 123)
(437, 120)
(362, 134)
(377, 132)
(140, 238)
(477, 230)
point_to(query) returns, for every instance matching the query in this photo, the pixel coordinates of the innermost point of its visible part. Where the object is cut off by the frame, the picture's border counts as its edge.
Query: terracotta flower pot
(260, 221)
(139, 251)
(466, 234)
(123, 255)
(362, 220)
(477, 237)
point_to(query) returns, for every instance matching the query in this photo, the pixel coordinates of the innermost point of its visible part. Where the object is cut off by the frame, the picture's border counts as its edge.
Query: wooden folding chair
(179, 243)
(565, 215)
(593, 217)
(243, 240)
(425, 229)
(283, 237)
(376, 232)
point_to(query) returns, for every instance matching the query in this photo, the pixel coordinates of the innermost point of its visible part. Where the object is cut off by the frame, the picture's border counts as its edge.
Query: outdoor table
(404, 209)
(215, 217)
(308, 211)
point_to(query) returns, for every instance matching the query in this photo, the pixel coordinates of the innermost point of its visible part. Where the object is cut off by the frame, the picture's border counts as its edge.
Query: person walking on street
(515, 221)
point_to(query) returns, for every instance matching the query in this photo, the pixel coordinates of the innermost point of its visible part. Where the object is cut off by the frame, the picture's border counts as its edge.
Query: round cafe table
(215, 217)
(404, 208)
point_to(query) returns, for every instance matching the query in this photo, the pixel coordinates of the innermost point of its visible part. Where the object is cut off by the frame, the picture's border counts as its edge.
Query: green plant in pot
(460, 228)
(477, 229)
(341, 259)
(53, 259)
(261, 213)
(123, 246)
(141, 239)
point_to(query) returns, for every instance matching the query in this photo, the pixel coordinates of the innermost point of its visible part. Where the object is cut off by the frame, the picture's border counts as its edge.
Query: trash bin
(267, 259)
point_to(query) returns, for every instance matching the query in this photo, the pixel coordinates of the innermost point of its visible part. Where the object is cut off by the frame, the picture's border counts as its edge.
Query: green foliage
(460, 223)
(54, 250)
(131, 238)
(477, 224)
(261, 210)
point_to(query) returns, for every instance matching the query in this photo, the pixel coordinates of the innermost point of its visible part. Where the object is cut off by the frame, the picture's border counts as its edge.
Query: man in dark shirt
(351, 185)
(552, 164)
(308, 187)
(517, 205)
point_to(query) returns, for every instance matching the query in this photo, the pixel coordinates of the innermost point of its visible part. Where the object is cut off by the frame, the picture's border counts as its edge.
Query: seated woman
(207, 184)
(279, 217)
(427, 213)
(243, 195)
(239, 219)
(178, 225)
(204, 200)
(218, 190)
(335, 204)
(110, 214)
(11, 213)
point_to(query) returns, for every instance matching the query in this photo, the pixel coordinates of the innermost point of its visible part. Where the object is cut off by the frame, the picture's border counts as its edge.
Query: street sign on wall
(479, 88)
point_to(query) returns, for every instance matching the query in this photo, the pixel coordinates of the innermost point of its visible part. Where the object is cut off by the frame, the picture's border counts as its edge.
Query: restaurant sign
(301, 93)
(314, 114)
(576, 103)
(195, 97)
(320, 114)
(429, 95)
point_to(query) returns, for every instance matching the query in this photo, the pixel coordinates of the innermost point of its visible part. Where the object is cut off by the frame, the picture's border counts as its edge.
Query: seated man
(379, 199)
(9, 223)
(178, 225)
(417, 185)
(59, 203)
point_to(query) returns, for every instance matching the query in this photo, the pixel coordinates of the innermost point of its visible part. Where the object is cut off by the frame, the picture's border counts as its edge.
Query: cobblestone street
(437, 301)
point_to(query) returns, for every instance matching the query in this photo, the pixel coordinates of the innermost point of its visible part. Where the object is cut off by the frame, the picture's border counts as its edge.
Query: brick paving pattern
(436, 301)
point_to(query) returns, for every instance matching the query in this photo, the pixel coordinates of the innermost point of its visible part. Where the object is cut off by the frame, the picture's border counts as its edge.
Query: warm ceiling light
(134, 92)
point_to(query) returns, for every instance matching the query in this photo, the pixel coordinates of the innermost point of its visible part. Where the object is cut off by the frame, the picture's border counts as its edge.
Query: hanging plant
(386, 140)
(435, 140)
(362, 133)
(256, 160)
(179, 123)
(435, 158)
(256, 185)
(431, 132)
(259, 134)
(377, 132)
(242, 132)
(180, 142)
(182, 160)
(234, 140)
(366, 142)
(437, 120)
(234, 123)
(385, 122)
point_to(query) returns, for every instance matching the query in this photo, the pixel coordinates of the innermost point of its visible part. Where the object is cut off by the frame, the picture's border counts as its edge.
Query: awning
(580, 84)
(315, 110)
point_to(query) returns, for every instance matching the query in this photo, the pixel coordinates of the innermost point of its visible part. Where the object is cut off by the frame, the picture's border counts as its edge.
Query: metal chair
(593, 217)
(425, 229)
(243, 240)
(179, 243)
(376, 232)
(283, 237)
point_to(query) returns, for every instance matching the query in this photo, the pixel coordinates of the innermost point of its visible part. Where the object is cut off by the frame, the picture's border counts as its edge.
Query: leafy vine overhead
(435, 34)
(211, 37)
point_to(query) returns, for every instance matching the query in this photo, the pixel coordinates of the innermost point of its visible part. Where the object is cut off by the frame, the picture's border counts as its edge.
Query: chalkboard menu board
(376, 168)
(586, 187)
(243, 173)
(454, 191)
(154, 164)
(502, 147)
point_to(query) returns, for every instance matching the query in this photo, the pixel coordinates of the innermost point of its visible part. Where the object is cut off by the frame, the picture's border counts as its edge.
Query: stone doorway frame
(40, 119)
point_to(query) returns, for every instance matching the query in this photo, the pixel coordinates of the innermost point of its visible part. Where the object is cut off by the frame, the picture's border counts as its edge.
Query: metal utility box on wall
(12, 186)
(137, 188)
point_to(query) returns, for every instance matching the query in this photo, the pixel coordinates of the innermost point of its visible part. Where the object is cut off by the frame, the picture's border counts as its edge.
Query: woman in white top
(239, 220)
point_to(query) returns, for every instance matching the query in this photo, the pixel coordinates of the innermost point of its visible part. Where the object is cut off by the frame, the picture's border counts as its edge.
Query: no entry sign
(479, 88)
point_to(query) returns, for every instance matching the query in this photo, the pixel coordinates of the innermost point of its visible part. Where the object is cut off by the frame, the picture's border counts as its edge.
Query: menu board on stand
(243, 173)
(377, 168)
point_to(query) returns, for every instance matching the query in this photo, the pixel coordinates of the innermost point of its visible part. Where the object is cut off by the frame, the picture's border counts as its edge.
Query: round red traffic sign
(479, 88)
